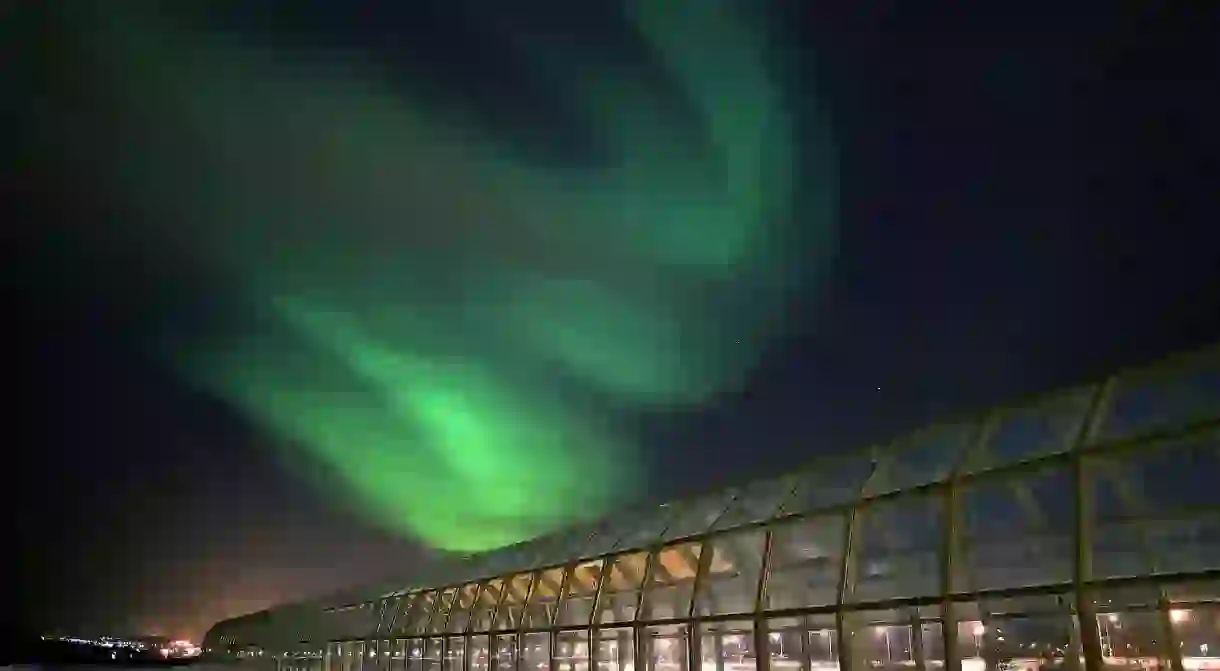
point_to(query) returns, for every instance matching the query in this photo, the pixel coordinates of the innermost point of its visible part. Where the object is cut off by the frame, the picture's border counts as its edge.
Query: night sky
(1024, 200)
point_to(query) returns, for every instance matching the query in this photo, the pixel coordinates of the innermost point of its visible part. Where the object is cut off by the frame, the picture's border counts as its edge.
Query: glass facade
(1078, 530)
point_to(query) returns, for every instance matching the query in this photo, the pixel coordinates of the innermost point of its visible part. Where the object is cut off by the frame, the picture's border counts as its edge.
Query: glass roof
(1181, 393)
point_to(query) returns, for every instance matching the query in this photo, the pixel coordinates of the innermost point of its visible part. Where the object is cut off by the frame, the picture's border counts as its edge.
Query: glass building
(1078, 530)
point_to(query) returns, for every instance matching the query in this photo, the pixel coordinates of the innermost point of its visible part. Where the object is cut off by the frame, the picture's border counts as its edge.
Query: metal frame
(1082, 583)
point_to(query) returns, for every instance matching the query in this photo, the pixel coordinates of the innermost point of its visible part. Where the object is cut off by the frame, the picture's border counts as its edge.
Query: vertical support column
(595, 615)
(643, 659)
(1165, 614)
(762, 638)
(1082, 569)
(843, 634)
(917, 651)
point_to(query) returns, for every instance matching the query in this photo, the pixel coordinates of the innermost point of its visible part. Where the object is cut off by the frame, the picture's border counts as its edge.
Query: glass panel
(1154, 510)
(440, 615)
(650, 524)
(884, 639)
(479, 651)
(608, 534)
(1017, 530)
(927, 456)
(374, 661)
(566, 546)
(357, 657)
(727, 646)
(536, 652)
(1021, 633)
(390, 619)
(622, 590)
(756, 502)
(459, 617)
(398, 655)
(415, 654)
(1197, 630)
(797, 643)
(455, 653)
(432, 654)
(898, 549)
(540, 611)
(1168, 398)
(665, 648)
(615, 650)
(485, 605)
(806, 561)
(668, 593)
(833, 482)
(572, 651)
(697, 516)
(733, 571)
(506, 652)
(508, 615)
(577, 606)
(421, 612)
(1049, 426)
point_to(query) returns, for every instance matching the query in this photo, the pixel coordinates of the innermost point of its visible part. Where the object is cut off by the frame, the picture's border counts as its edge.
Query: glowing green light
(462, 336)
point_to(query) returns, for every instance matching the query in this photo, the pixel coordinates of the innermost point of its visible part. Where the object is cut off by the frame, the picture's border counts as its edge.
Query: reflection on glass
(398, 655)
(668, 593)
(572, 651)
(731, 583)
(544, 599)
(665, 648)
(506, 652)
(727, 646)
(615, 650)
(478, 650)
(536, 652)
(415, 655)
(512, 605)
(621, 595)
(455, 653)
(432, 654)
(577, 606)
(484, 611)
(805, 563)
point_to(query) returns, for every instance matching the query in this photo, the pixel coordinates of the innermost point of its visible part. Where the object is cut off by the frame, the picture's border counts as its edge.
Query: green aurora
(459, 333)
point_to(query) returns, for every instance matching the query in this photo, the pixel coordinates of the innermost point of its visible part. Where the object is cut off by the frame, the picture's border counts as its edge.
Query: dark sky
(1028, 199)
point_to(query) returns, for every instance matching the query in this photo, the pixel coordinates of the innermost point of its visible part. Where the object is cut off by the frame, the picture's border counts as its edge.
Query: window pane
(1029, 632)
(440, 615)
(733, 572)
(536, 652)
(695, 517)
(1154, 510)
(727, 646)
(421, 613)
(1017, 530)
(927, 456)
(1171, 397)
(806, 561)
(485, 605)
(650, 523)
(459, 617)
(508, 615)
(615, 649)
(540, 611)
(479, 651)
(668, 593)
(432, 654)
(577, 605)
(756, 502)
(398, 655)
(898, 550)
(455, 653)
(415, 654)
(506, 652)
(665, 648)
(796, 643)
(622, 589)
(833, 482)
(572, 651)
(1049, 426)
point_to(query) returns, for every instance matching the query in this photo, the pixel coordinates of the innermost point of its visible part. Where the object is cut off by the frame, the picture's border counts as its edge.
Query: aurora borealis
(460, 329)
